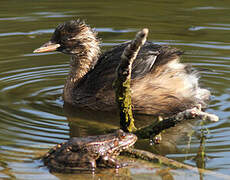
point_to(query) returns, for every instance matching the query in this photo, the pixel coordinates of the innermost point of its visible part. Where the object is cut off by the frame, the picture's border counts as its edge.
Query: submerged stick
(145, 155)
(122, 82)
(188, 114)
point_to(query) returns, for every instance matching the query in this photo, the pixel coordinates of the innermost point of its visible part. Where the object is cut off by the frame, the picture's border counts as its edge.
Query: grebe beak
(47, 47)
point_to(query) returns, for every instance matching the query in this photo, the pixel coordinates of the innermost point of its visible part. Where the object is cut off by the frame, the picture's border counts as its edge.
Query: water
(32, 118)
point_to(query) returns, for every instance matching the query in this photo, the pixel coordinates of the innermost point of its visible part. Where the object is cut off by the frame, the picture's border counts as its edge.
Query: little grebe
(160, 84)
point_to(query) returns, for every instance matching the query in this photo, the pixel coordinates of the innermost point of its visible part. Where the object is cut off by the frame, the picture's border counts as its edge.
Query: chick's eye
(122, 135)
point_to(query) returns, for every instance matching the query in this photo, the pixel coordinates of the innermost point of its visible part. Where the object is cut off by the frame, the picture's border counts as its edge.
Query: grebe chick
(160, 84)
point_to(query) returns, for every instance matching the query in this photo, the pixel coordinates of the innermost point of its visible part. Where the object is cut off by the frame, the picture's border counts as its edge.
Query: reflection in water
(31, 115)
(201, 157)
(84, 122)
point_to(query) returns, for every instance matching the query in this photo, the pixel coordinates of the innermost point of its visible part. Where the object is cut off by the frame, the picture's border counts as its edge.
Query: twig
(122, 82)
(194, 113)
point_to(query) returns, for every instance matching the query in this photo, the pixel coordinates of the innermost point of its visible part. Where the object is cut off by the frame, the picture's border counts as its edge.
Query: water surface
(32, 117)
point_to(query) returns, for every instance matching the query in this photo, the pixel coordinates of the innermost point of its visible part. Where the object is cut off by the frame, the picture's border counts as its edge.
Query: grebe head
(71, 37)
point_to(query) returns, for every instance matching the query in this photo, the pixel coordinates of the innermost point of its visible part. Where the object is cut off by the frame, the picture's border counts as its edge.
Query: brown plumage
(160, 84)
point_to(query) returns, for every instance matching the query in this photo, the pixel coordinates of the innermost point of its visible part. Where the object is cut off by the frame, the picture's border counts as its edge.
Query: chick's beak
(47, 47)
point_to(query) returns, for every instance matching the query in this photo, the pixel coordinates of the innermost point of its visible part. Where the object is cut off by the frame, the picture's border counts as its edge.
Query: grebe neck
(81, 62)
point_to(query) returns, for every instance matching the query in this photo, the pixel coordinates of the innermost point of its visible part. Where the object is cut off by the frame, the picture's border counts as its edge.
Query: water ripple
(49, 31)
(32, 117)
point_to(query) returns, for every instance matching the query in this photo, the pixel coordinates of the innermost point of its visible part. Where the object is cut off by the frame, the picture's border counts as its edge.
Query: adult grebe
(160, 84)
